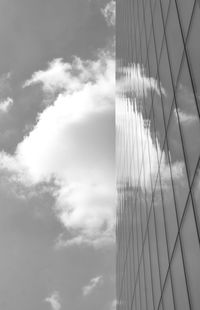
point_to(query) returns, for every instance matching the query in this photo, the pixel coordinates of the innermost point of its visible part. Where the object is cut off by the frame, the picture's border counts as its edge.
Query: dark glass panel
(148, 275)
(174, 40)
(193, 48)
(168, 199)
(196, 194)
(191, 252)
(158, 28)
(165, 8)
(161, 236)
(154, 260)
(165, 83)
(168, 294)
(187, 116)
(177, 164)
(185, 11)
(148, 20)
(179, 284)
(152, 57)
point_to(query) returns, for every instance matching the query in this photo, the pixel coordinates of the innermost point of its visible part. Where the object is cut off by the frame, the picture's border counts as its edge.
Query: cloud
(6, 104)
(133, 79)
(185, 118)
(93, 284)
(72, 143)
(54, 301)
(145, 154)
(114, 304)
(109, 12)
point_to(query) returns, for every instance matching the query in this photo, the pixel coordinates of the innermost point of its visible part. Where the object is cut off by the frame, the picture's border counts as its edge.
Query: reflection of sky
(158, 148)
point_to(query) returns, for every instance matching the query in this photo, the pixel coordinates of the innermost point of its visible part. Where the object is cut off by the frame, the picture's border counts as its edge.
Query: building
(158, 154)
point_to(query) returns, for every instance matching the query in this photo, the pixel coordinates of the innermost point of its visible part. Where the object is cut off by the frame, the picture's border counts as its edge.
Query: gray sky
(57, 155)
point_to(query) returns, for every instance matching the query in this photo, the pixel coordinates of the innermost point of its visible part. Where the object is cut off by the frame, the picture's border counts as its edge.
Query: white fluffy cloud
(109, 12)
(6, 104)
(93, 284)
(73, 144)
(54, 301)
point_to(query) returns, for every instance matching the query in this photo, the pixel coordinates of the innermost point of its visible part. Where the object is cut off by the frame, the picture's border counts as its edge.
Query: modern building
(158, 154)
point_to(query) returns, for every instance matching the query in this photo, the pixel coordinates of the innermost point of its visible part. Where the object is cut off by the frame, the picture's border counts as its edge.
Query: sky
(57, 180)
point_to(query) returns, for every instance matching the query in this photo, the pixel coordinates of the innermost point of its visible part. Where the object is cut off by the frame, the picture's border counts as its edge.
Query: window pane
(166, 83)
(196, 193)
(148, 276)
(154, 260)
(170, 211)
(177, 163)
(188, 118)
(158, 28)
(148, 19)
(178, 277)
(174, 40)
(185, 11)
(165, 7)
(194, 50)
(162, 245)
(168, 294)
(191, 252)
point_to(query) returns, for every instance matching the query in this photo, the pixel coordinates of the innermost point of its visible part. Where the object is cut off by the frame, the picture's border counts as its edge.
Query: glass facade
(158, 154)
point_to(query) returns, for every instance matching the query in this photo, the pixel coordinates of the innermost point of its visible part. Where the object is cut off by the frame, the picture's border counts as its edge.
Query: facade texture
(158, 154)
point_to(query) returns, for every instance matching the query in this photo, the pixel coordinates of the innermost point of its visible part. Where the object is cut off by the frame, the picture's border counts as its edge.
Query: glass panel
(178, 277)
(140, 15)
(138, 297)
(166, 83)
(188, 118)
(160, 227)
(132, 265)
(196, 193)
(159, 129)
(174, 39)
(142, 288)
(158, 28)
(148, 276)
(165, 7)
(194, 50)
(152, 57)
(177, 162)
(148, 20)
(191, 252)
(154, 260)
(144, 48)
(168, 295)
(168, 197)
(185, 11)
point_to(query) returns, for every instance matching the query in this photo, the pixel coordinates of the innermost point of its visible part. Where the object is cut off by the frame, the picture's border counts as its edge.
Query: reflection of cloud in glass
(138, 150)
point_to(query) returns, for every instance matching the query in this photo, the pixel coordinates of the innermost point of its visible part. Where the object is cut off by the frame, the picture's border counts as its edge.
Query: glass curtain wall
(158, 154)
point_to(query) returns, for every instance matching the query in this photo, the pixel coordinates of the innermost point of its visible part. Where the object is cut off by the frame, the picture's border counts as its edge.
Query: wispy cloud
(54, 301)
(93, 284)
(109, 12)
(6, 104)
(185, 118)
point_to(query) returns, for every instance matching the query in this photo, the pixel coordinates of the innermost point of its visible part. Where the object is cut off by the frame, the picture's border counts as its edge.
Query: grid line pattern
(158, 154)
